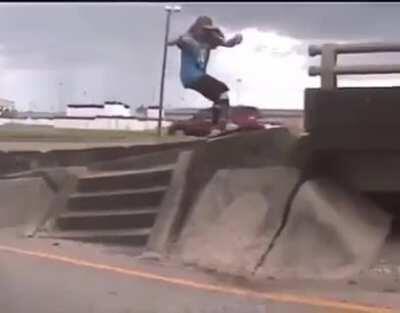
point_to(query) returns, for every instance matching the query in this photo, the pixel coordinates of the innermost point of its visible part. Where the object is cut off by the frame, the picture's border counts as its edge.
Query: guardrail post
(328, 64)
(328, 70)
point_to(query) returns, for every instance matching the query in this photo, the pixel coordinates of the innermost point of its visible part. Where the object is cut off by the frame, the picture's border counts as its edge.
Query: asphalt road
(44, 276)
(30, 284)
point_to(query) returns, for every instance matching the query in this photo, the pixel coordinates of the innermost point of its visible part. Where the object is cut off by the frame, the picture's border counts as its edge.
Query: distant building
(85, 110)
(109, 109)
(116, 108)
(153, 111)
(141, 111)
(7, 107)
(7, 103)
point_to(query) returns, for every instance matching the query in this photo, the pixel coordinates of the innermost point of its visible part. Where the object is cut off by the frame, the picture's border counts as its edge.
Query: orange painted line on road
(277, 297)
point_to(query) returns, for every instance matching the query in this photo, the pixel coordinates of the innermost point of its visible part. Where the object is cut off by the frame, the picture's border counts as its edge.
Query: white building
(85, 110)
(109, 109)
(6, 103)
(115, 108)
(152, 112)
(6, 106)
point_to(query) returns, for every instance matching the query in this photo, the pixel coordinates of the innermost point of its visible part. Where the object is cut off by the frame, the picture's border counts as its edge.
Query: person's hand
(238, 38)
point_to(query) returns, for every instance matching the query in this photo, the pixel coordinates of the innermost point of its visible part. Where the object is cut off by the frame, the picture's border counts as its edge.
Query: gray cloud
(122, 43)
(310, 21)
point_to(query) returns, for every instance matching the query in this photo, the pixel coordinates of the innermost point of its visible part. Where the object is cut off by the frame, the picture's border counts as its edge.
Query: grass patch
(49, 134)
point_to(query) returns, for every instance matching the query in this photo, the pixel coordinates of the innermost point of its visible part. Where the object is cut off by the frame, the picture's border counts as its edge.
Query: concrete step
(112, 219)
(115, 180)
(147, 160)
(120, 199)
(136, 237)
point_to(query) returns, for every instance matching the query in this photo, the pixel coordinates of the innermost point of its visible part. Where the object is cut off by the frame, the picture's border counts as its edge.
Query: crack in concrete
(277, 234)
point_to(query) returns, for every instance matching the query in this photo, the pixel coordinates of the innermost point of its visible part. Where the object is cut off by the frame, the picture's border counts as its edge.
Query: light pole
(239, 80)
(169, 11)
(60, 102)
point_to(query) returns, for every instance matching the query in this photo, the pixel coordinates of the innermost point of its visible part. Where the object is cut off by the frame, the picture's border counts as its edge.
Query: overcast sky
(54, 54)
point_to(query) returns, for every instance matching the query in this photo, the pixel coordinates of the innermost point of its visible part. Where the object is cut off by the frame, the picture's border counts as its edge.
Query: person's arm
(217, 39)
(185, 42)
(173, 42)
(237, 39)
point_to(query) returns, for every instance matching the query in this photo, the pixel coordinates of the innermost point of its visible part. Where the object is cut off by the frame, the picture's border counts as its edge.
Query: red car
(200, 125)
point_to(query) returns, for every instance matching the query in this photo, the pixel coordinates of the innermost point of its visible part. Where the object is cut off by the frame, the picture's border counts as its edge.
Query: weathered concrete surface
(22, 199)
(59, 182)
(330, 234)
(147, 160)
(162, 230)
(365, 171)
(65, 180)
(370, 107)
(252, 149)
(14, 161)
(353, 118)
(236, 218)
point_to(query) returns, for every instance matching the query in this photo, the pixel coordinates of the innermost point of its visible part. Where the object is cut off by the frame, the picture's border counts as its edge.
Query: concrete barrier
(22, 199)
(330, 234)
(253, 149)
(167, 217)
(236, 218)
(54, 186)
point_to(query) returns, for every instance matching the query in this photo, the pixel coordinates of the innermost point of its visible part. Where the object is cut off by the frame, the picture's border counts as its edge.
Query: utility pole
(169, 11)
(60, 102)
(239, 80)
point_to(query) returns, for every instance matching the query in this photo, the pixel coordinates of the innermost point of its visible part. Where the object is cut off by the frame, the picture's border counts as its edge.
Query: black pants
(212, 89)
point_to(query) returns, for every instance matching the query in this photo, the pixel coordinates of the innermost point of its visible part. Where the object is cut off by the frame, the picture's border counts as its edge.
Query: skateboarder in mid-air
(195, 46)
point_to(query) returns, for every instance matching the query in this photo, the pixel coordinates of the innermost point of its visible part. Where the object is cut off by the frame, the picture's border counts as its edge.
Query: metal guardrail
(329, 68)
